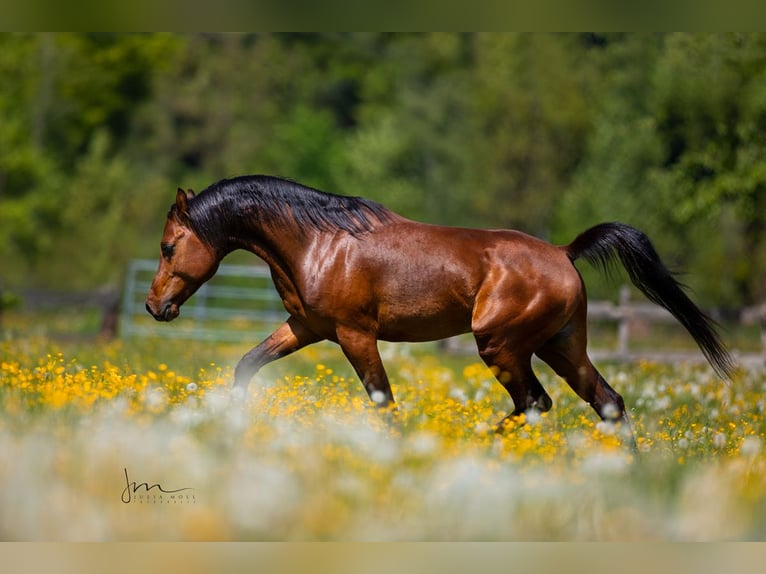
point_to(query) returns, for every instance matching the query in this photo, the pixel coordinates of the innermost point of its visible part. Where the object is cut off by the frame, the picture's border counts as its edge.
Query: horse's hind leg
(513, 369)
(567, 355)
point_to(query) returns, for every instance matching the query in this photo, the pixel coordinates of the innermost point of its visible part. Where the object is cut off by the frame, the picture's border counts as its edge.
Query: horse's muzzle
(167, 313)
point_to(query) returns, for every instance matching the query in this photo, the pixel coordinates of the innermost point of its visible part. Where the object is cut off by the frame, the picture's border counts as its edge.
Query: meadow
(141, 440)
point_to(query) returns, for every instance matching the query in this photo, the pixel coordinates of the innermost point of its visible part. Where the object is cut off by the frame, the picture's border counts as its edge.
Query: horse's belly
(417, 334)
(422, 324)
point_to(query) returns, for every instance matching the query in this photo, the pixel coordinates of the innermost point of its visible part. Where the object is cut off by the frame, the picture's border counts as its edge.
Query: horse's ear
(190, 194)
(182, 205)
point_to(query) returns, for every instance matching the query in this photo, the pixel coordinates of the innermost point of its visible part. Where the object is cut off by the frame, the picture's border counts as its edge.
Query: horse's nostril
(161, 316)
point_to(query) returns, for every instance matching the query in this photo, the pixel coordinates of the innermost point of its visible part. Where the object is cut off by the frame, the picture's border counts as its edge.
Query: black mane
(230, 207)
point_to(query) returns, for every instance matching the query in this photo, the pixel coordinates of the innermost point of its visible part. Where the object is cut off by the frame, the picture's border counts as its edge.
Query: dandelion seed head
(155, 398)
(253, 465)
(607, 428)
(663, 403)
(719, 440)
(424, 444)
(607, 462)
(610, 411)
(751, 446)
(378, 397)
(532, 416)
(236, 420)
(459, 395)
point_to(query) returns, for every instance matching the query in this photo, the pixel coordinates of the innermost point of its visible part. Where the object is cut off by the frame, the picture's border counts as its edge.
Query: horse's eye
(167, 250)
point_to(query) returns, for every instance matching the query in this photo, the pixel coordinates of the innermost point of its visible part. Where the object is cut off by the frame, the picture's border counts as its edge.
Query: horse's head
(186, 262)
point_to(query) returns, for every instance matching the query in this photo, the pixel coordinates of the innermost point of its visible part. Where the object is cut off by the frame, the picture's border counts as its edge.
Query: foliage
(548, 133)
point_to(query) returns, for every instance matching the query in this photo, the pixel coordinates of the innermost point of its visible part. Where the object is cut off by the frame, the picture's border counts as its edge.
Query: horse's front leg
(361, 350)
(288, 338)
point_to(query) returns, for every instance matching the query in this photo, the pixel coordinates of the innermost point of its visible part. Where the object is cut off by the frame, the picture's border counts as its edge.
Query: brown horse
(350, 271)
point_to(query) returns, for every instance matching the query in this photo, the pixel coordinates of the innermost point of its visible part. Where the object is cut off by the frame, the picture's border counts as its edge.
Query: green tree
(530, 102)
(675, 150)
(57, 93)
(622, 147)
(548, 133)
(711, 116)
(25, 217)
(406, 150)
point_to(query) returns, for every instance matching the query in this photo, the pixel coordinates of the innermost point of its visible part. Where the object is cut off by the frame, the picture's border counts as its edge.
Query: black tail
(599, 245)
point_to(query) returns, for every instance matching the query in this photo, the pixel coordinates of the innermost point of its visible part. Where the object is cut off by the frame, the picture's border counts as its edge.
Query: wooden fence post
(756, 315)
(623, 325)
(111, 314)
(763, 331)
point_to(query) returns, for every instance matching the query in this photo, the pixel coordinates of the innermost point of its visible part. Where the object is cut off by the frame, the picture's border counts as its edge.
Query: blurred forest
(547, 133)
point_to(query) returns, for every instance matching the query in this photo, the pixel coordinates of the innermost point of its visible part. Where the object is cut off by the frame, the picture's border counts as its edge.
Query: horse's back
(409, 281)
(466, 258)
(465, 265)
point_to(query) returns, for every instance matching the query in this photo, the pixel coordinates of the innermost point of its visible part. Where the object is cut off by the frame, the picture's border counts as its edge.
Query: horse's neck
(283, 253)
(279, 246)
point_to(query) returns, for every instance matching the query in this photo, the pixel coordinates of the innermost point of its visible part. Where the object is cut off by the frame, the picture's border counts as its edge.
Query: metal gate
(239, 303)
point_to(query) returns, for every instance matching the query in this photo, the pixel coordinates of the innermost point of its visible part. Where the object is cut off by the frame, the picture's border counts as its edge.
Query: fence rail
(238, 303)
(241, 304)
(628, 315)
(107, 301)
